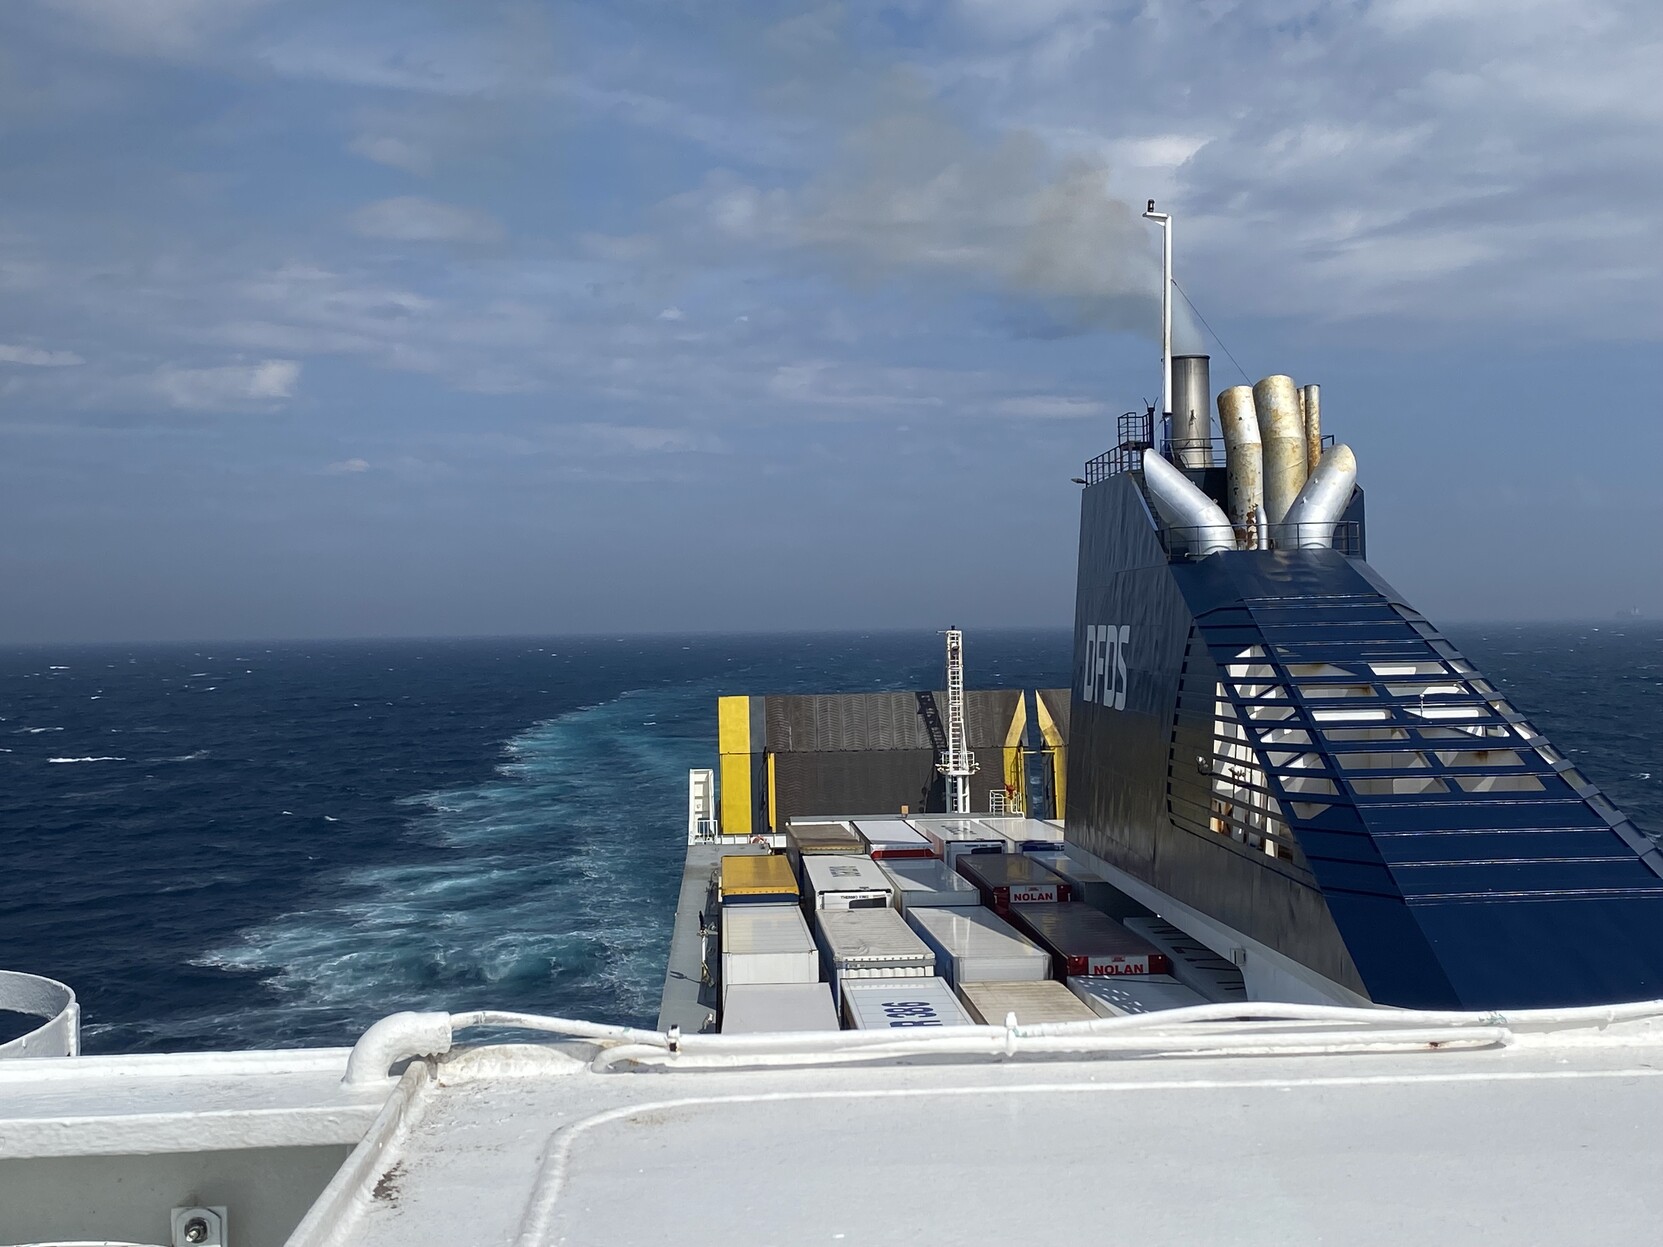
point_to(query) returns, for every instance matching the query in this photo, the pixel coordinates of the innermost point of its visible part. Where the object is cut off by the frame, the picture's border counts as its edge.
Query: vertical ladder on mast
(957, 763)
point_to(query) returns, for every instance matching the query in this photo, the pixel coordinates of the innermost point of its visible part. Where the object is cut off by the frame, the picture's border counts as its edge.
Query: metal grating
(1329, 706)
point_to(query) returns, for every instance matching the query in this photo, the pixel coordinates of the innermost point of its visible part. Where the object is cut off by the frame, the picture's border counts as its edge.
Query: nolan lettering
(1036, 893)
(1104, 678)
(1120, 965)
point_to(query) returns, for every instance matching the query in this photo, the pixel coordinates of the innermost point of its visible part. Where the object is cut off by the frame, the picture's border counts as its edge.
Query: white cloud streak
(395, 152)
(169, 29)
(1404, 167)
(1411, 165)
(1052, 407)
(262, 386)
(913, 193)
(37, 357)
(413, 218)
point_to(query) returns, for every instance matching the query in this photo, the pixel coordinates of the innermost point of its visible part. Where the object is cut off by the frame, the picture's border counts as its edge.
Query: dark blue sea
(262, 845)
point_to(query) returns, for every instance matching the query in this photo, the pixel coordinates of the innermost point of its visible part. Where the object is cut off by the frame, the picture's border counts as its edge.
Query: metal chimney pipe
(1327, 493)
(1243, 464)
(1194, 519)
(1282, 432)
(1311, 402)
(1192, 411)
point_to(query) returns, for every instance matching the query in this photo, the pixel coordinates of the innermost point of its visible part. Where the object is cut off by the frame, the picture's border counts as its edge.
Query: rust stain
(386, 1186)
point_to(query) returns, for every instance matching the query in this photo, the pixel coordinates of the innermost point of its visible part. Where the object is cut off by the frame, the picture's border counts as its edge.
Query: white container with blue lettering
(922, 1005)
(869, 944)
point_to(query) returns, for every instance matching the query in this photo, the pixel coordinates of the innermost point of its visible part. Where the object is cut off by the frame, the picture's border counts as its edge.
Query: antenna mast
(1164, 220)
(957, 763)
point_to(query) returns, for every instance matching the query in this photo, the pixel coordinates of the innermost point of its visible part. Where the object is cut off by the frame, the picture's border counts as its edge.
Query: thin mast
(1165, 221)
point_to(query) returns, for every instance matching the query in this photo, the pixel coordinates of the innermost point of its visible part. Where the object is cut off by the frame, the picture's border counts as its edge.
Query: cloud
(1399, 168)
(38, 357)
(466, 52)
(1051, 407)
(1003, 20)
(913, 193)
(229, 387)
(412, 218)
(917, 191)
(647, 439)
(396, 153)
(156, 28)
(883, 224)
(742, 138)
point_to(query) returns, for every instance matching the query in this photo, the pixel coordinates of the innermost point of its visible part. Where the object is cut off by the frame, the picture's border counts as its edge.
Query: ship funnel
(1282, 430)
(1192, 413)
(1310, 402)
(1310, 520)
(1244, 464)
(1196, 522)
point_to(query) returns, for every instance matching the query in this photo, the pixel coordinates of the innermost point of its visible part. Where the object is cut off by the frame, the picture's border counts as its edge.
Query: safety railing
(1137, 436)
(1197, 542)
(1194, 453)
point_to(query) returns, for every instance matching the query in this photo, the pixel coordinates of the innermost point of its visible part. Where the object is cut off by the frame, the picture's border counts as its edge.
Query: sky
(424, 318)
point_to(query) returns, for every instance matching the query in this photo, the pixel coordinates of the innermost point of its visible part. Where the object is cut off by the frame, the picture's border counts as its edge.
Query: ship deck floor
(688, 1001)
(1540, 1142)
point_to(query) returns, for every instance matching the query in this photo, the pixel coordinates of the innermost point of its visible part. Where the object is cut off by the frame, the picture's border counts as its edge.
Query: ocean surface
(251, 845)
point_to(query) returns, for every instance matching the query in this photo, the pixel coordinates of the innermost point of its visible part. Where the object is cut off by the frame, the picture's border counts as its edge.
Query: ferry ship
(1279, 924)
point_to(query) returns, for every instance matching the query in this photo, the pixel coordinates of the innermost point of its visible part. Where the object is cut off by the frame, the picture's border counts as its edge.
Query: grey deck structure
(1549, 1141)
(688, 1000)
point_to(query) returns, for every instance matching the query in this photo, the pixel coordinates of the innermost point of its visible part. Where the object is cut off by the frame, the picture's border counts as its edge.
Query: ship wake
(550, 883)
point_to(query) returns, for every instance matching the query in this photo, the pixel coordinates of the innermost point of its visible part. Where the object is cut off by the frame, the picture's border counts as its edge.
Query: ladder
(957, 763)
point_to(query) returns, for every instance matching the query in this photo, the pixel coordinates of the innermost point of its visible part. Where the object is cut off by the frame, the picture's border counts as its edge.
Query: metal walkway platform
(688, 1000)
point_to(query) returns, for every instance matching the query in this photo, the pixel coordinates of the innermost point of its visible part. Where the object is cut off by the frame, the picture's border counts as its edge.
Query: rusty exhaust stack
(1243, 464)
(1282, 432)
(1192, 416)
(1310, 402)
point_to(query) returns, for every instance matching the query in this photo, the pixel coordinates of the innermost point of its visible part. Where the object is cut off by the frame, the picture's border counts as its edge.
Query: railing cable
(1211, 330)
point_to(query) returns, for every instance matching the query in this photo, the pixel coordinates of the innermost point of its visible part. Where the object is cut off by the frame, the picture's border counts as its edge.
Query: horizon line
(616, 635)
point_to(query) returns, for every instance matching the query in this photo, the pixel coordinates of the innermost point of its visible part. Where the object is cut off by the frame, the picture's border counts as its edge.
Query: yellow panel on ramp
(733, 742)
(1059, 753)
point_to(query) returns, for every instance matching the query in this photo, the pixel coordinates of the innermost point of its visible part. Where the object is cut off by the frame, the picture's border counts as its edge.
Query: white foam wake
(550, 885)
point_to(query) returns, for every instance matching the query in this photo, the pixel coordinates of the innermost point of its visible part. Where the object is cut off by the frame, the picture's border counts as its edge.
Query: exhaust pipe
(1282, 432)
(1192, 516)
(1310, 520)
(1310, 401)
(1243, 464)
(1192, 389)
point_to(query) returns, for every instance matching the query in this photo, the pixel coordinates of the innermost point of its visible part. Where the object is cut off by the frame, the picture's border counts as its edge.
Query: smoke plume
(912, 191)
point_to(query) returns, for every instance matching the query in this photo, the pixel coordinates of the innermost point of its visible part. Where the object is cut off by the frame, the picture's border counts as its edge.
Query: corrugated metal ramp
(1466, 862)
